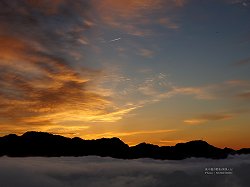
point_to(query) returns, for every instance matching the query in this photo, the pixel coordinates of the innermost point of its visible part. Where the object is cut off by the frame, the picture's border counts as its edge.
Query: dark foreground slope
(45, 144)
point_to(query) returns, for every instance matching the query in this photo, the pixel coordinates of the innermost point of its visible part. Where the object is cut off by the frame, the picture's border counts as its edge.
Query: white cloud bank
(107, 172)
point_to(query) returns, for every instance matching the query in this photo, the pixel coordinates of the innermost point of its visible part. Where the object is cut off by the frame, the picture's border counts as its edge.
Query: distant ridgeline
(49, 145)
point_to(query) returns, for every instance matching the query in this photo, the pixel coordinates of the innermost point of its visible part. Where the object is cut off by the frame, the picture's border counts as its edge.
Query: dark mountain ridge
(49, 145)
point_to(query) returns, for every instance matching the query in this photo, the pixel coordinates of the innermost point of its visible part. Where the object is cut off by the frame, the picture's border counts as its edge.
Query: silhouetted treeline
(46, 144)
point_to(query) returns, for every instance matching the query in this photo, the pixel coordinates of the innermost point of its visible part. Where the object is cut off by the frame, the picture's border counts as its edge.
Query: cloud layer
(96, 171)
(133, 17)
(44, 77)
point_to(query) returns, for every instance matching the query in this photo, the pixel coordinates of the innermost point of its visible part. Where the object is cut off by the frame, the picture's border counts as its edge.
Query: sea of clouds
(95, 171)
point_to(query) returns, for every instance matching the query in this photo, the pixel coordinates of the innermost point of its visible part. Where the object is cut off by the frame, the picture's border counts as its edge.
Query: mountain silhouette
(49, 145)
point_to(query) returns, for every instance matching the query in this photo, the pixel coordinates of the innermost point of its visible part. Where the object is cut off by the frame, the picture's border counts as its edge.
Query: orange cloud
(11, 48)
(209, 117)
(146, 53)
(194, 121)
(131, 16)
(245, 95)
(167, 22)
(242, 62)
(45, 90)
(198, 92)
(41, 84)
(231, 90)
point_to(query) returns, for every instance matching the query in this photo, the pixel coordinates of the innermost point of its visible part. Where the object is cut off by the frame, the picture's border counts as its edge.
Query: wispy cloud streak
(42, 83)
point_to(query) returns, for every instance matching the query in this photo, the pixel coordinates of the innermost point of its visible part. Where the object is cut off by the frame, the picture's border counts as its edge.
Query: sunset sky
(155, 71)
